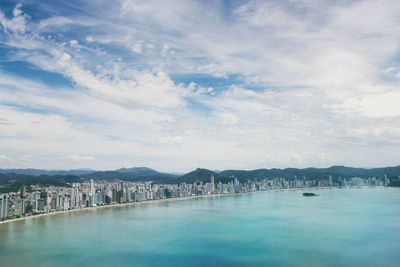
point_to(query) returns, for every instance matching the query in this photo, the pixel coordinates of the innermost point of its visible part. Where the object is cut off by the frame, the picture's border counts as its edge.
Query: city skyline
(186, 84)
(41, 200)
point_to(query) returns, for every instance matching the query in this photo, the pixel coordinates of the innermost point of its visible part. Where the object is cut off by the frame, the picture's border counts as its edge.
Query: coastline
(157, 201)
(121, 205)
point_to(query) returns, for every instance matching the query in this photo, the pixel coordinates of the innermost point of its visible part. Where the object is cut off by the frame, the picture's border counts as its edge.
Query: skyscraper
(23, 191)
(212, 186)
(36, 197)
(92, 193)
(4, 206)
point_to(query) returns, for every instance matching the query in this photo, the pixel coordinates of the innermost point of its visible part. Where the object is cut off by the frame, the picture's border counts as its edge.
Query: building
(212, 186)
(92, 194)
(4, 206)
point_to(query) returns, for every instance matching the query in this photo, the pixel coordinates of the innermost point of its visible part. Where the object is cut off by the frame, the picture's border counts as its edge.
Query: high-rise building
(22, 206)
(212, 186)
(36, 196)
(53, 204)
(4, 206)
(23, 191)
(120, 186)
(92, 193)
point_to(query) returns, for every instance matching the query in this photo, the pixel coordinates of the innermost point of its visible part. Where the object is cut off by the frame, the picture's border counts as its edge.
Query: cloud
(17, 23)
(249, 85)
(164, 50)
(389, 69)
(28, 158)
(4, 157)
(89, 38)
(137, 48)
(376, 105)
(79, 158)
(174, 140)
(140, 87)
(227, 118)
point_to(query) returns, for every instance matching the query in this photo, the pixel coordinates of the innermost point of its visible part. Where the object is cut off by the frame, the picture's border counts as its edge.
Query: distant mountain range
(8, 176)
(203, 175)
(130, 174)
(12, 179)
(136, 173)
(38, 172)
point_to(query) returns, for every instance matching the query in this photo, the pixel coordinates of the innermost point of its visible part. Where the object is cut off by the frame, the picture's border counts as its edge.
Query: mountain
(38, 172)
(12, 182)
(203, 175)
(11, 177)
(138, 170)
(198, 175)
(127, 174)
(130, 174)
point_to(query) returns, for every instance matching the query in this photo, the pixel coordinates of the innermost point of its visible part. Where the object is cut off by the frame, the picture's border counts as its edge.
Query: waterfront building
(4, 206)
(22, 191)
(212, 187)
(92, 194)
(41, 199)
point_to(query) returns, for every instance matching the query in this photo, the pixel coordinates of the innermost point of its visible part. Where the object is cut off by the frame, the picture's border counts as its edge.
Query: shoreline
(120, 205)
(157, 201)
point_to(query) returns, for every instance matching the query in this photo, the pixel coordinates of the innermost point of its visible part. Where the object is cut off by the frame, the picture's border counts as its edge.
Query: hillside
(198, 175)
(13, 182)
(203, 175)
(126, 174)
(38, 172)
(130, 174)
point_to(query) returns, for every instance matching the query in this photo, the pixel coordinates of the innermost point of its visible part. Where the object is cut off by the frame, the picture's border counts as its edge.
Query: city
(38, 200)
(199, 133)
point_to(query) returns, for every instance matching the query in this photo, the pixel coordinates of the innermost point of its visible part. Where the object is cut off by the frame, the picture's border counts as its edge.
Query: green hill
(13, 182)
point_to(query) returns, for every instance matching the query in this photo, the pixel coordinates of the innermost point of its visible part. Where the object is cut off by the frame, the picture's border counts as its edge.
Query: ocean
(340, 227)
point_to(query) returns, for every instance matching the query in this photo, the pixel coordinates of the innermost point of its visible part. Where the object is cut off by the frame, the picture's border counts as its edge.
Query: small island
(309, 195)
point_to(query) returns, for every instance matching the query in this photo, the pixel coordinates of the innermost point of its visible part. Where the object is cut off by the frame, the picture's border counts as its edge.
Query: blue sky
(176, 85)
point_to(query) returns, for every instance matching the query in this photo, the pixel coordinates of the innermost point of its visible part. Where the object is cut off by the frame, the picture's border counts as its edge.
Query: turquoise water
(341, 227)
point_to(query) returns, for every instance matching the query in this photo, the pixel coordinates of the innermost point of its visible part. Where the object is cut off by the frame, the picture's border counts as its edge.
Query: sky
(176, 85)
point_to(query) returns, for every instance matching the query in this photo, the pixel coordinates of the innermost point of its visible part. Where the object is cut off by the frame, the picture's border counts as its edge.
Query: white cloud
(311, 88)
(63, 61)
(174, 140)
(17, 24)
(75, 44)
(80, 158)
(227, 118)
(389, 69)
(164, 50)
(4, 157)
(137, 48)
(29, 158)
(376, 105)
(89, 38)
(140, 87)
(17, 10)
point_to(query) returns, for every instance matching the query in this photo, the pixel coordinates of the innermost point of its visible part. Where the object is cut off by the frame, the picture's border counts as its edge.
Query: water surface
(341, 227)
